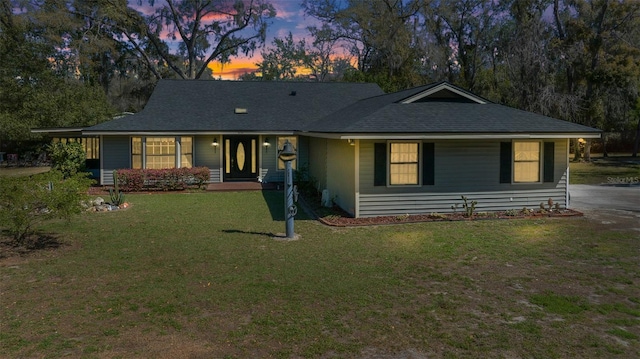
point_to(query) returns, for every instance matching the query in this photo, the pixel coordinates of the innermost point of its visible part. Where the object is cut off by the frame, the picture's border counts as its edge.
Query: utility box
(326, 199)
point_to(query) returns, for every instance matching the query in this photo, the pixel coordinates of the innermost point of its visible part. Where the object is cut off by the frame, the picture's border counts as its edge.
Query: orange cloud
(233, 70)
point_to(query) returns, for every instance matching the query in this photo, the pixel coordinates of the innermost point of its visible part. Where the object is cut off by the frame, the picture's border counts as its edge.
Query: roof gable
(440, 109)
(445, 92)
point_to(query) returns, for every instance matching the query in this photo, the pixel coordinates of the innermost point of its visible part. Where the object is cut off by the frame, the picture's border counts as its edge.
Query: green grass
(560, 304)
(613, 169)
(200, 275)
(22, 171)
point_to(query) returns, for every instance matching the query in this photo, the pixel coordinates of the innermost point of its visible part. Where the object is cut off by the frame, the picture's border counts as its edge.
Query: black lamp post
(288, 154)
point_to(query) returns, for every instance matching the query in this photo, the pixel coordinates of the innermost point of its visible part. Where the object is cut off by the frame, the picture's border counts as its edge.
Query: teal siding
(461, 167)
(318, 162)
(205, 155)
(115, 155)
(269, 171)
(268, 163)
(341, 182)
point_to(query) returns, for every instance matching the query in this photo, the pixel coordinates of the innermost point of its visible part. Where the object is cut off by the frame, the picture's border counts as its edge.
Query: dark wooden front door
(240, 158)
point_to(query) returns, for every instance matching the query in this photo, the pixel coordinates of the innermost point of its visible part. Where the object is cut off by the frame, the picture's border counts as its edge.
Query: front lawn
(612, 170)
(22, 171)
(199, 276)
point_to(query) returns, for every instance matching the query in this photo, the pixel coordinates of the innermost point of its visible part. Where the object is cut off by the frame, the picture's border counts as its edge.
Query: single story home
(409, 152)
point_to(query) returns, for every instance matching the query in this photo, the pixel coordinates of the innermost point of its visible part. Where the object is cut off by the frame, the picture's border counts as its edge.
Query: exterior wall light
(214, 144)
(266, 144)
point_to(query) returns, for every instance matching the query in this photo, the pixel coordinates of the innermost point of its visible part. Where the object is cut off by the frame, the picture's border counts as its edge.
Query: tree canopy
(77, 62)
(578, 60)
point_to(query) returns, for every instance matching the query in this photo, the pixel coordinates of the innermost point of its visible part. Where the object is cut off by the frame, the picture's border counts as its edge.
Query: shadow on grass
(268, 234)
(275, 202)
(35, 242)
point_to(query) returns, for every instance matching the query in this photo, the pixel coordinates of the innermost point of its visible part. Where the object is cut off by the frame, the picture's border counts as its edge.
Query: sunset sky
(289, 18)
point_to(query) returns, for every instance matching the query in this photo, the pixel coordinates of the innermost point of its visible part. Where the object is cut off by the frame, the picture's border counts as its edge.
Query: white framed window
(526, 161)
(280, 142)
(161, 152)
(404, 163)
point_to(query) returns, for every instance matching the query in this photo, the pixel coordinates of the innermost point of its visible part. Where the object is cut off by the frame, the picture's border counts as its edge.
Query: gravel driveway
(615, 206)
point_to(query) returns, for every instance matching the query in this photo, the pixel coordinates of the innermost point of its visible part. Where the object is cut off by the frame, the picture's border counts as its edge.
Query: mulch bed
(339, 218)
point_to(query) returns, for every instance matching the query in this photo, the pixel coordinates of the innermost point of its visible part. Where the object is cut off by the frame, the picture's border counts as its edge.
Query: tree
(283, 60)
(460, 29)
(37, 89)
(599, 59)
(204, 29)
(525, 70)
(380, 35)
(321, 57)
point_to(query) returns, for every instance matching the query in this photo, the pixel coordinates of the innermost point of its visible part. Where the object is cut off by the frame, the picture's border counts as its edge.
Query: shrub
(173, 179)
(27, 201)
(68, 158)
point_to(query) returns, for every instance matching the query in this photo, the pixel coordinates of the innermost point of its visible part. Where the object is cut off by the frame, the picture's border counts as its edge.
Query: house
(409, 152)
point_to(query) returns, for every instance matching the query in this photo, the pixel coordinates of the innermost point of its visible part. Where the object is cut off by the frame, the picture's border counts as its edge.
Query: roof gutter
(57, 130)
(183, 133)
(450, 136)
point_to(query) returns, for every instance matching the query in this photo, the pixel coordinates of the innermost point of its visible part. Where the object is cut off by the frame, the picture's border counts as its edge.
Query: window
(526, 161)
(281, 141)
(136, 152)
(397, 163)
(91, 145)
(186, 151)
(161, 152)
(404, 163)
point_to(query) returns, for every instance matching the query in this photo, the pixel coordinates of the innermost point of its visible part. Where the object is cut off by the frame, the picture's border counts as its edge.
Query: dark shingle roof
(187, 105)
(336, 108)
(387, 114)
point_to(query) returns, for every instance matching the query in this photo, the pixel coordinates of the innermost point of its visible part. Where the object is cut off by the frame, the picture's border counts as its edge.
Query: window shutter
(505, 162)
(428, 156)
(548, 169)
(380, 164)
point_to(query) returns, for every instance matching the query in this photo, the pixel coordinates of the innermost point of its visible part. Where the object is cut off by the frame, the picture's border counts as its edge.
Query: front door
(240, 158)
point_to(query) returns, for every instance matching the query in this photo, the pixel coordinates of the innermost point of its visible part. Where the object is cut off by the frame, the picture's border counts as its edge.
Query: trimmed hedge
(171, 179)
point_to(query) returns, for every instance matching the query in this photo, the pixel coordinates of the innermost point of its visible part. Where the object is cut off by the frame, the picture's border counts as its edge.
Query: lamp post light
(288, 154)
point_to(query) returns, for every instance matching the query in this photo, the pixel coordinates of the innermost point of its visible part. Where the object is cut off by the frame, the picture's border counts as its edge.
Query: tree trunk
(604, 145)
(577, 154)
(587, 150)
